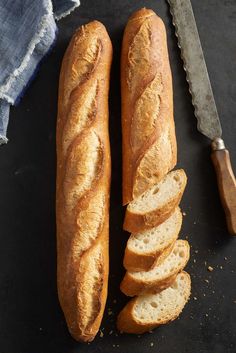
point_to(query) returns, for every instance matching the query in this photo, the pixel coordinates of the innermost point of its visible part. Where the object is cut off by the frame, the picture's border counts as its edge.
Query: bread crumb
(117, 345)
(40, 329)
(204, 294)
(206, 280)
(210, 268)
(194, 260)
(101, 334)
(195, 298)
(110, 312)
(113, 345)
(196, 251)
(184, 213)
(110, 333)
(151, 344)
(221, 267)
(225, 258)
(206, 315)
(186, 237)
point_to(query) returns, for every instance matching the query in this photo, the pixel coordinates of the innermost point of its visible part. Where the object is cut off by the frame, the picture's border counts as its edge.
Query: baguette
(160, 276)
(146, 249)
(151, 190)
(148, 131)
(150, 310)
(83, 180)
(157, 204)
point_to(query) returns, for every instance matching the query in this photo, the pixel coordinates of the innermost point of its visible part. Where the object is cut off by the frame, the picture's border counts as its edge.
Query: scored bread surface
(83, 180)
(148, 131)
(150, 310)
(160, 276)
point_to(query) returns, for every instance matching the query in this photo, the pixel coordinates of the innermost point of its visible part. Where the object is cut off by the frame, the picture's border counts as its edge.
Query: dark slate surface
(30, 317)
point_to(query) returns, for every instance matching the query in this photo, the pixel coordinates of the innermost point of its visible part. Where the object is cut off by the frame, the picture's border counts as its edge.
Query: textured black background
(31, 320)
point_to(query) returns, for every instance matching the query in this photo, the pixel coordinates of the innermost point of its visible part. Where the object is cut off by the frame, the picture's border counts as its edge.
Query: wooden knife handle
(227, 186)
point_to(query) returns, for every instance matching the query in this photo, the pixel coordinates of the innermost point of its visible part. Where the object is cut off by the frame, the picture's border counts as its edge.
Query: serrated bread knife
(204, 103)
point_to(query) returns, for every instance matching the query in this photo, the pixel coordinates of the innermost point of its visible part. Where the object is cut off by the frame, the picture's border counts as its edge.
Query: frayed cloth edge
(7, 98)
(3, 140)
(68, 12)
(35, 40)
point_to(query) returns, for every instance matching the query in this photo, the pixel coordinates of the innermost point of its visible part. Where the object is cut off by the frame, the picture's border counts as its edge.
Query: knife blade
(195, 67)
(204, 104)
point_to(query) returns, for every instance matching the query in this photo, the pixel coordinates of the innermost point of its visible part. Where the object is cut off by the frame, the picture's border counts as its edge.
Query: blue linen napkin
(27, 32)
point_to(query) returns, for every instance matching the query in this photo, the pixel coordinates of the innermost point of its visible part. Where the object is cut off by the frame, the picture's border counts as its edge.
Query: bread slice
(155, 205)
(159, 277)
(147, 311)
(146, 248)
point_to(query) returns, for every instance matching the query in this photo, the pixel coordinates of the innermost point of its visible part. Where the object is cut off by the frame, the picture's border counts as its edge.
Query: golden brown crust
(83, 180)
(149, 143)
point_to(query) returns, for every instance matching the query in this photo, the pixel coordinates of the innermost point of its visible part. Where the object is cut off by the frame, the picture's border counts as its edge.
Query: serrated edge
(196, 111)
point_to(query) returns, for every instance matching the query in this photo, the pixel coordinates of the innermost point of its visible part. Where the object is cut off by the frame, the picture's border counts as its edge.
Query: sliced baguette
(159, 277)
(150, 247)
(147, 311)
(155, 205)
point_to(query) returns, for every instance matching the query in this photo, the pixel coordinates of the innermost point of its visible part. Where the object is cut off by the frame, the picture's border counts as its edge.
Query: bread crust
(127, 321)
(83, 180)
(148, 131)
(132, 286)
